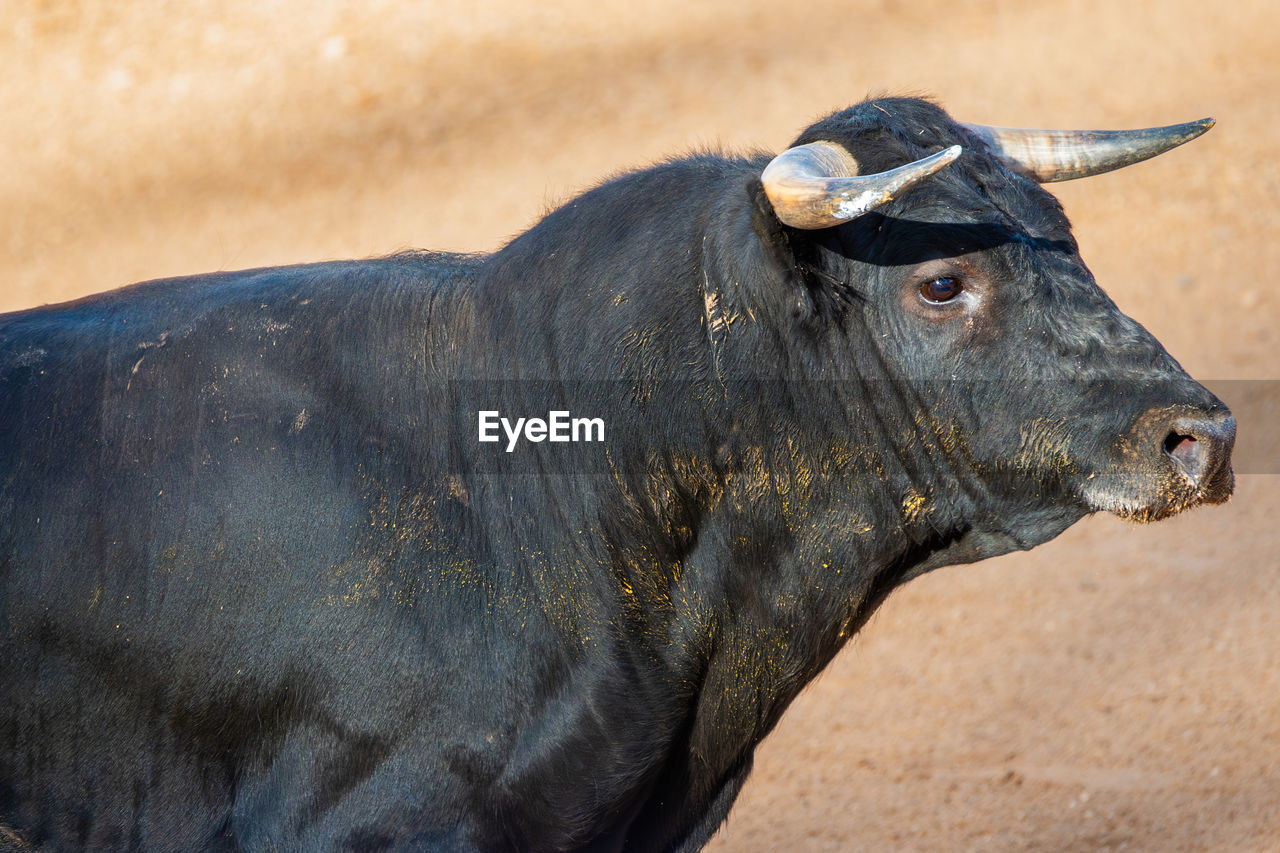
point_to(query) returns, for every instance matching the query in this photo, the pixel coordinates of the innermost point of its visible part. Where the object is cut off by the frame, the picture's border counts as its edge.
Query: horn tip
(1193, 129)
(942, 159)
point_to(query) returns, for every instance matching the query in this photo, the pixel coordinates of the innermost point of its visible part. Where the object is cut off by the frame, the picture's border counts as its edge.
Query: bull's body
(262, 588)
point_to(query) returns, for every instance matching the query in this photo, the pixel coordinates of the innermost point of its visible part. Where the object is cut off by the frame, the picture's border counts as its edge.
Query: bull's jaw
(985, 540)
(1134, 499)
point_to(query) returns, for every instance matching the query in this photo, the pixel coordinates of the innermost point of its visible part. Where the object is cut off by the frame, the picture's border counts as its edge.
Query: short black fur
(261, 587)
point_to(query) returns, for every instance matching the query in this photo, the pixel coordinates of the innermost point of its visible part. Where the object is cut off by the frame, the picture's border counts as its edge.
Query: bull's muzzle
(1172, 458)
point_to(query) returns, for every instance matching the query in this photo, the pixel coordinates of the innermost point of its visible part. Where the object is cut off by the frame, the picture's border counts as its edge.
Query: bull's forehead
(957, 224)
(980, 191)
(977, 188)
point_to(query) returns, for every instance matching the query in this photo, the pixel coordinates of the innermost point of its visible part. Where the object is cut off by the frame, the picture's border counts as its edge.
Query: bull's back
(131, 420)
(183, 517)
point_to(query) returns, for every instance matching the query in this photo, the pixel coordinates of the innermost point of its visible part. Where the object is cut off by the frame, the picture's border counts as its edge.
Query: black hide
(262, 588)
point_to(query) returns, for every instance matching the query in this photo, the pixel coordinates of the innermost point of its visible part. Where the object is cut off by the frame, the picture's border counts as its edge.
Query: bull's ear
(769, 230)
(789, 250)
(791, 255)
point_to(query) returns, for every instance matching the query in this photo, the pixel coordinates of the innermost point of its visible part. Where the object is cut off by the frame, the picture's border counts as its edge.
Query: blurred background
(1116, 689)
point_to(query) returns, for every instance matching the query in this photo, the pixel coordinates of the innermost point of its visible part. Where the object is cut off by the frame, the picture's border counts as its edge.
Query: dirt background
(1115, 689)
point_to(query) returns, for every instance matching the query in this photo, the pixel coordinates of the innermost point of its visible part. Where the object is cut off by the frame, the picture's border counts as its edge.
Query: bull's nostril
(1176, 440)
(1187, 453)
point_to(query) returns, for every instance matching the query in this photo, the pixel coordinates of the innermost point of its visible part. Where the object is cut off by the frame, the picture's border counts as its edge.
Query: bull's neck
(831, 490)
(754, 509)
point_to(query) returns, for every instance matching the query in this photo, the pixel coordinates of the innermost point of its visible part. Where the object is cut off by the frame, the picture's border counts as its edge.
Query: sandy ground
(1115, 689)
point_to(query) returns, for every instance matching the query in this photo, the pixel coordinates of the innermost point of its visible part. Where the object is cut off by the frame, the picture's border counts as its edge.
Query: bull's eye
(941, 289)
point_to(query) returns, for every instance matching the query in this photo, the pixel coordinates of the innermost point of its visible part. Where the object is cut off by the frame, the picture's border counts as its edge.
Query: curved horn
(1061, 155)
(817, 185)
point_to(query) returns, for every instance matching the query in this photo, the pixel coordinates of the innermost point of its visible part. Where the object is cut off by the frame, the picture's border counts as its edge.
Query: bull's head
(972, 293)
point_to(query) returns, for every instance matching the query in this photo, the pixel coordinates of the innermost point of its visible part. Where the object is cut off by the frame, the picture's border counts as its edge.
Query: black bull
(261, 586)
